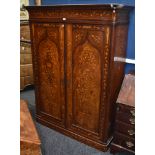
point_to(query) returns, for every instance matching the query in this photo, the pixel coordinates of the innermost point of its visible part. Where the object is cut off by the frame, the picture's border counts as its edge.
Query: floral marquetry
(50, 69)
(86, 86)
(76, 77)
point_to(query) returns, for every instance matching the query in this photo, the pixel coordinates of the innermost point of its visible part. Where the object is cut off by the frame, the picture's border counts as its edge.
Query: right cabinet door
(87, 71)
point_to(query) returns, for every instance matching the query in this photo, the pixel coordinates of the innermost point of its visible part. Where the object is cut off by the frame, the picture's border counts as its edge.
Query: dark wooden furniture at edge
(124, 128)
(76, 78)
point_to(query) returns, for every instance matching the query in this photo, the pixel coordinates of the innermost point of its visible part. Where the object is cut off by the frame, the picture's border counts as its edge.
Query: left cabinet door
(48, 63)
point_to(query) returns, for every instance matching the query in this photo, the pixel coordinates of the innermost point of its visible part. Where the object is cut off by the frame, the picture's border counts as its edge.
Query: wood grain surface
(29, 139)
(76, 78)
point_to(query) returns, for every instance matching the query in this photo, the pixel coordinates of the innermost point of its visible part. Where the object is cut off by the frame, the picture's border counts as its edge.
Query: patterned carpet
(54, 143)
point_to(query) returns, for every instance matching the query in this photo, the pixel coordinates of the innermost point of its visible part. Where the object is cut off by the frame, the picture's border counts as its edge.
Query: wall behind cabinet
(131, 32)
(31, 2)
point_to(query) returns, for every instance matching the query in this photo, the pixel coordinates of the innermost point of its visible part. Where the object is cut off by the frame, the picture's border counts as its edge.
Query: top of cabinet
(111, 13)
(103, 6)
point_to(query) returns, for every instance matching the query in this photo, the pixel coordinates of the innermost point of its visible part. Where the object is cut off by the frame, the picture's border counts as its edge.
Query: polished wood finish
(124, 132)
(125, 128)
(26, 71)
(127, 93)
(24, 31)
(51, 71)
(26, 81)
(29, 139)
(76, 79)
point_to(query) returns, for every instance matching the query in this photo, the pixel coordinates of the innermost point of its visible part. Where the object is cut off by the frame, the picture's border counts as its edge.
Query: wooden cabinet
(24, 31)
(26, 71)
(76, 78)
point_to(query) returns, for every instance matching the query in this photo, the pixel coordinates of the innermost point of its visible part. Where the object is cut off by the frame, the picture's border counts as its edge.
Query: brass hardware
(118, 108)
(63, 19)
(132, 120)
(23, 48)
(129, 144)
(131, 132)
(115, 6)
(132, 112)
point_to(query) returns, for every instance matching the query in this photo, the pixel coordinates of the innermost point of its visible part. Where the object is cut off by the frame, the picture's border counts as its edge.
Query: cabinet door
(48, 60)
(87, 71)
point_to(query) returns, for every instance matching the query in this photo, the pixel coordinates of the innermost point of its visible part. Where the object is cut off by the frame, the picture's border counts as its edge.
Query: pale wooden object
(29, 139)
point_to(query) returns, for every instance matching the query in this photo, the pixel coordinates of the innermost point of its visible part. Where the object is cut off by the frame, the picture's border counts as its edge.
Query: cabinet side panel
(121, 32)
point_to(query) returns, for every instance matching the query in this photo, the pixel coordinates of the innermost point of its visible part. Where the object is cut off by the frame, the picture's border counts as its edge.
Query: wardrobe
(77, 77)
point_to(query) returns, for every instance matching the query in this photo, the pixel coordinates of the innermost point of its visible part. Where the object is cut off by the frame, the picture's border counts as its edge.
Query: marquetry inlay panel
(50, 70)
(86, 86)
(89, 48)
